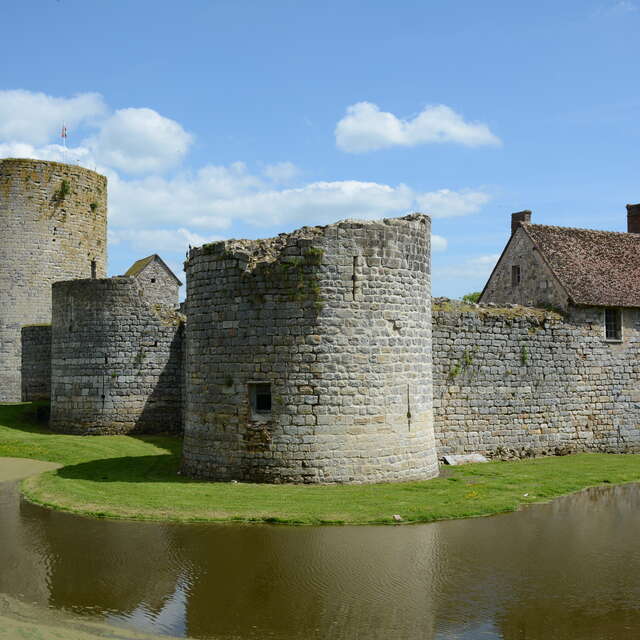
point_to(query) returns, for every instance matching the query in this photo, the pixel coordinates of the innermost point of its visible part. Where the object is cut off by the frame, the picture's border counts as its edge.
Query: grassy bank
(135, 477)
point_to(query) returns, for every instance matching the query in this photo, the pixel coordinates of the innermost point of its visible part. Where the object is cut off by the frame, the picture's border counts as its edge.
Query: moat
(568, 569)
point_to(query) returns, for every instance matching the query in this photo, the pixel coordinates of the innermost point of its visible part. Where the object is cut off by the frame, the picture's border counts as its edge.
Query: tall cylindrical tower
(54, 227)
(116, 359)
(308, 356)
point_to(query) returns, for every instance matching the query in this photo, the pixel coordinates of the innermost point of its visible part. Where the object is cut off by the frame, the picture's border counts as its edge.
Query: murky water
(570, 569)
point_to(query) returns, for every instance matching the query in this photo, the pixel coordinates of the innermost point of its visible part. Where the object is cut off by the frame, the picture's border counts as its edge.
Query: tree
(472, 297)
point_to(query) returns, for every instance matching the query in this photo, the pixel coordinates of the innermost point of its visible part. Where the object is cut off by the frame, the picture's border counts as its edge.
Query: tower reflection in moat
(564, 570)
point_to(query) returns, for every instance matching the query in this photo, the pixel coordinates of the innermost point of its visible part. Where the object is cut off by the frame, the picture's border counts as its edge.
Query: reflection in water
(564, 570)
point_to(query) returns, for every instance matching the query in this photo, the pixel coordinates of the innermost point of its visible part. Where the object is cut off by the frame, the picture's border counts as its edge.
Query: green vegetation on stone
(472, 298)
(136, 477)
(62, 192)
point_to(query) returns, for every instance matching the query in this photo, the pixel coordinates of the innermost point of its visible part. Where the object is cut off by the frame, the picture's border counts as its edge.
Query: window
(93, 269)
(260, 398)
(153, 280)
(515, 275)
(613, 324)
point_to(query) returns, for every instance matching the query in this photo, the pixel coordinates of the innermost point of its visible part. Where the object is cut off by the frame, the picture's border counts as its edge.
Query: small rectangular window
(515, 275)
(260, 398)
(613, 324)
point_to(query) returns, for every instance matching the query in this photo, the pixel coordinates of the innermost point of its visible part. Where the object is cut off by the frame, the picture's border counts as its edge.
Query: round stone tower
(116, 359)
(54, 225)
(308, 356)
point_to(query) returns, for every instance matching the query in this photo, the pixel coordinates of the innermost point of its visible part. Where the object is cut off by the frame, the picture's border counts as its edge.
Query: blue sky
(247, 119)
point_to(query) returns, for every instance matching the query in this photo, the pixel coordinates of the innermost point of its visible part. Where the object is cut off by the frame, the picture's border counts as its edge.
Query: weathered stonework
(517, 382)
(537, 286)
(116, 360)
(54, 225)
(308, 357)
(336, 320)
(36, 362)
(158, 282)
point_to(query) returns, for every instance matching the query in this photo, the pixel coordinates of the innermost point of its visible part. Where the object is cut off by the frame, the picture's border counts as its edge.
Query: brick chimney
(633, 218)
(521, 216)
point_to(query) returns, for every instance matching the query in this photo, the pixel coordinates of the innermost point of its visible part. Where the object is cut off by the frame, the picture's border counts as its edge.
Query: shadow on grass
(140, 469)
(31, 417)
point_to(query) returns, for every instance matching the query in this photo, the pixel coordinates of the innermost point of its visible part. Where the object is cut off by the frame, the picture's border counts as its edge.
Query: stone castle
(315, 356)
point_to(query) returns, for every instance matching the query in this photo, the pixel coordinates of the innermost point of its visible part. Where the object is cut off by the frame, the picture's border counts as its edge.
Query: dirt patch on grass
(18, 468)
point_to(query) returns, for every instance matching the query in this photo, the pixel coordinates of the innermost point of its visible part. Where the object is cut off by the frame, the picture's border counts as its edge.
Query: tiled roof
(596, 268)
(139, 265)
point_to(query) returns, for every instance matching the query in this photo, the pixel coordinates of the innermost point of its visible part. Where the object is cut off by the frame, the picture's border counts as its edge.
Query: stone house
(572, 270)
(159, 283)
(549, 361)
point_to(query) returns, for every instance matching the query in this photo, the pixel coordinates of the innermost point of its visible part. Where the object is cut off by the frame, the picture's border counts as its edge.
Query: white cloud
(160, 213)
(131, 140)
(366, 128)
(180, 200)
(55, 152)
(315, 203)
(139, 141)
(475, 269)
(281, 172)
(451, 204)
(154, 240)
(438, 243)
(36, 118)
(216, 197)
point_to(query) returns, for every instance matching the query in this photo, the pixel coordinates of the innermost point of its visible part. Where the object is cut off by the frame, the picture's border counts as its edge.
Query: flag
(63, 134)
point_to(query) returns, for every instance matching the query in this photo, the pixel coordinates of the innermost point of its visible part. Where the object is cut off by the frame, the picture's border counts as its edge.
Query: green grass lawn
(136, 477)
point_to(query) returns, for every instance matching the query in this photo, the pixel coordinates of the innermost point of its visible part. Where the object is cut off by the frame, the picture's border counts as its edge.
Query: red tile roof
(596, 268)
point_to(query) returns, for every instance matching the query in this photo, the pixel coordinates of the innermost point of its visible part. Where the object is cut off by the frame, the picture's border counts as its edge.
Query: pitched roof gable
(140, 265)
(596, 268)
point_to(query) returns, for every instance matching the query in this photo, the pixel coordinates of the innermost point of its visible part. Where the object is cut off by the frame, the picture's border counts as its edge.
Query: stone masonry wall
(158, 285)
(336, 320)
(517, 381)
(54, 224)
(36, 362)
(116, 360)
(538, 287)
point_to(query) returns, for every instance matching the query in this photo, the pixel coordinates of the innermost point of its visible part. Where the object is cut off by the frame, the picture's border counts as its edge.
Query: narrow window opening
(613, 324)
(260, 398)
(93, 269)
(354, 277)
(106, 360)
(515, 275)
